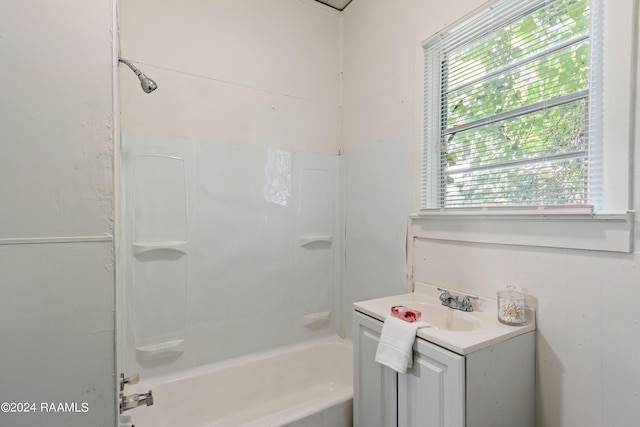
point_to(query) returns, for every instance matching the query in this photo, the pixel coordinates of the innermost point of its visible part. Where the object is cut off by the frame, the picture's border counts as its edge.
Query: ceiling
(336, 4)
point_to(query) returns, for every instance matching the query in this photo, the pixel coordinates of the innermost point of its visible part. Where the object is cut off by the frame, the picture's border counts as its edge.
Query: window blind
(512, 108)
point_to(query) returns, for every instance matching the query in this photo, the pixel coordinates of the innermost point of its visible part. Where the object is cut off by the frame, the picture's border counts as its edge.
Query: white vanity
(469, 370)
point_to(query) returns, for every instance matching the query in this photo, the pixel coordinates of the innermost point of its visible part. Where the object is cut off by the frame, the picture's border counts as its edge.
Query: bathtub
(308, 384)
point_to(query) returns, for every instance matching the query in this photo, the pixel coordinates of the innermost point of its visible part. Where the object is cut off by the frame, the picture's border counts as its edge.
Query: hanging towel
(395, 348)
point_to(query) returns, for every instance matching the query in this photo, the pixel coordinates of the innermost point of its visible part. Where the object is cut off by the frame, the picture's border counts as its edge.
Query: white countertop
(485, 329)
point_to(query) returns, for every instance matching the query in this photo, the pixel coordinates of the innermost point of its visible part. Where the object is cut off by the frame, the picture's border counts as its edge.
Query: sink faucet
(449, 300)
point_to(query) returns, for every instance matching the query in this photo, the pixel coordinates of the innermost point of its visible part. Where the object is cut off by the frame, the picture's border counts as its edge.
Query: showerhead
(147, 84)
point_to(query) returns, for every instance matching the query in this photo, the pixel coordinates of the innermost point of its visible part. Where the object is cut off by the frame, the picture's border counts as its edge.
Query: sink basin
(445, 318)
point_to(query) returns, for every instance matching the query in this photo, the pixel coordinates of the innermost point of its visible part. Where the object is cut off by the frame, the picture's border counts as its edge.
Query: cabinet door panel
(375, 400)
(431, 394)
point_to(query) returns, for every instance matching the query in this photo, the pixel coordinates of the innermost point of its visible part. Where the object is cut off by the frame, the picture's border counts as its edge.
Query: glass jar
(512, 307)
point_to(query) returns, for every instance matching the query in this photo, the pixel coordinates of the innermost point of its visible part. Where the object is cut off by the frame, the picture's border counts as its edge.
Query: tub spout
(135, 400)
(145, 398)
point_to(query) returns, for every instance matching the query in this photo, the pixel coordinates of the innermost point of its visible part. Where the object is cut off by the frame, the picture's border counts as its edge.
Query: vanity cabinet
(490, 387)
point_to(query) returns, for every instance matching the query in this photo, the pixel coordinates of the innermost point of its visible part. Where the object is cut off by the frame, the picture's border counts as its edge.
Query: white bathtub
(309, 384)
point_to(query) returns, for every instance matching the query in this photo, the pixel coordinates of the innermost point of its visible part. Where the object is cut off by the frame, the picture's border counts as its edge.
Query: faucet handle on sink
(446, 296)
(466, 305)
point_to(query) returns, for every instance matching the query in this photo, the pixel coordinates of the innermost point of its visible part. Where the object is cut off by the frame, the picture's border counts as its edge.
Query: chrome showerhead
(147, 84)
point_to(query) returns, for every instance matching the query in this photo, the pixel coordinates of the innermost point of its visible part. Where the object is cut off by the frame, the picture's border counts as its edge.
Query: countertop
(485, 329)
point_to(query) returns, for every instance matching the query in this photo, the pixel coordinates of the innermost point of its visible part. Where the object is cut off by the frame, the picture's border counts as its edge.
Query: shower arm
(130, 65)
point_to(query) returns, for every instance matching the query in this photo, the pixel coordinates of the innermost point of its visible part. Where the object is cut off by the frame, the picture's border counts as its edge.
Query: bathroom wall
(588, 331)
(237, 69)
(380, 123)
(56, 213)
(248, 100)
(263, 74)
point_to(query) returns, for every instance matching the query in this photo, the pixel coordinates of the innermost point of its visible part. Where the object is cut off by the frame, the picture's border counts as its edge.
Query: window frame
(611, 227)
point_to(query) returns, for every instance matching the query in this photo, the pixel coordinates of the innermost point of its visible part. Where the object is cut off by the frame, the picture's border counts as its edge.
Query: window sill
(570, 228)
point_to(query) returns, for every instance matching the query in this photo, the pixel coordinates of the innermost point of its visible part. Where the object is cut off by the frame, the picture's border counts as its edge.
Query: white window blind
(513, 105)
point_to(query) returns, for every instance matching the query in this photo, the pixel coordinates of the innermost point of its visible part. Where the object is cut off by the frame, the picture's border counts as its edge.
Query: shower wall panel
(256, 253)
(245, 251)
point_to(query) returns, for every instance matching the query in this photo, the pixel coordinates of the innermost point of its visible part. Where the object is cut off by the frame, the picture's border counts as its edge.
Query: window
(529, 126)
(513, 108)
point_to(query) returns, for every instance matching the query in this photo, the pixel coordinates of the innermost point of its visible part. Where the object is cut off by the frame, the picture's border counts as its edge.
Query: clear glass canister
(512, 307)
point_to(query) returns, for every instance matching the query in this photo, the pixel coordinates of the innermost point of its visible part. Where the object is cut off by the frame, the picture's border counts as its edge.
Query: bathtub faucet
(449, 300)
(135, 400)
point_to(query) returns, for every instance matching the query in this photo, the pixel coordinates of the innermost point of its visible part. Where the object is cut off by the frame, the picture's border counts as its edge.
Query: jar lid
(511, 293)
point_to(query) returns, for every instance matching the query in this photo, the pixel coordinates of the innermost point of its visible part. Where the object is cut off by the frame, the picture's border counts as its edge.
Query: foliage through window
(512, 108)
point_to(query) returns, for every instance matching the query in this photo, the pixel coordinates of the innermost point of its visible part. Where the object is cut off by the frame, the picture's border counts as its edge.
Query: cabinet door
(431, 393)
(375, 385)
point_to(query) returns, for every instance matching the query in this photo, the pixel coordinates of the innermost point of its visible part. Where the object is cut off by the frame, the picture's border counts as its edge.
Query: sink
(445, 318)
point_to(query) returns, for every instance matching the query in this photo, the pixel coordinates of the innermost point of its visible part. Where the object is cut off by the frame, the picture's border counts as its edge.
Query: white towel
(395, 348)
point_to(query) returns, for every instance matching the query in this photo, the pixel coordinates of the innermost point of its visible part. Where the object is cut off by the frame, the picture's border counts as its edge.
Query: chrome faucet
(450, 301)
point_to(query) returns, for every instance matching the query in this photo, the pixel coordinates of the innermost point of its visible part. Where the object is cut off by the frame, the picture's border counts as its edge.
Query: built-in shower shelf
(155, 351)
(178, 246)
(315, 318)
(308, 240)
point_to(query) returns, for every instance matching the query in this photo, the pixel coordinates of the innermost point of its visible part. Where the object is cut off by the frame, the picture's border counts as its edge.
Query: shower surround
(231, 240)
(241, 139)
(228, 250)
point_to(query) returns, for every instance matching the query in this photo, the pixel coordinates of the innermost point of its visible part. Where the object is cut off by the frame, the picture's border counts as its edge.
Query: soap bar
(407, 314)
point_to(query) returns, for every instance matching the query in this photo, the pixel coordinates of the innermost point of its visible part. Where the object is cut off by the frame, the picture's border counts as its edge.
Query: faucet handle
(446, 296)
(445, 293)
(134, 378)
(466, 303)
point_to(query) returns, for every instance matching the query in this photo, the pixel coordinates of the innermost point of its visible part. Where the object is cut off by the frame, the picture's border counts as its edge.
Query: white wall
(588, 327)
(381, 94)
(249, 72)
(56, 210)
